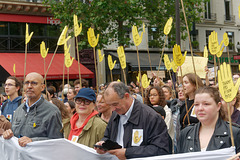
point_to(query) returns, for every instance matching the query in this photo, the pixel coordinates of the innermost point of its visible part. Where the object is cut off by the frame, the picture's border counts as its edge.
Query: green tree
(112, 19)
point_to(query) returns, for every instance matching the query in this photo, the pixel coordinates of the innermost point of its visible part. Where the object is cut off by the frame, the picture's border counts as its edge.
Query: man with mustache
(37, 119)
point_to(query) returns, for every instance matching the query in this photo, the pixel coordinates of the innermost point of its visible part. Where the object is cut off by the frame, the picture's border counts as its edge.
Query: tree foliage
(112, 19)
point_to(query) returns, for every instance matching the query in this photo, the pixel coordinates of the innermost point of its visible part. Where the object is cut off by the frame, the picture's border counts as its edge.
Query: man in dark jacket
(138, 128)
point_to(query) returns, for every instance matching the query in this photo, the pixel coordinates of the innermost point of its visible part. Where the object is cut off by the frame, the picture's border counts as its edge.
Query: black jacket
(221, 138)
(155, 135)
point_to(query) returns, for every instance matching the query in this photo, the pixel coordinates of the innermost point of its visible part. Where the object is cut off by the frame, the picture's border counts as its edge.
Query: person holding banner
(211, 132)
(136, 127)
(36, 119)
(187, 115)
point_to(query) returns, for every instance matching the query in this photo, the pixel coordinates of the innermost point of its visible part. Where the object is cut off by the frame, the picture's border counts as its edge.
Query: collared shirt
(123, 120)
(28, 107)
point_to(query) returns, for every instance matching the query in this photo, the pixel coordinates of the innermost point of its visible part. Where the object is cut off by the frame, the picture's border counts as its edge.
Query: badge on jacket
(74, 138)
(137, 137)
(193, 113)
(9, 117)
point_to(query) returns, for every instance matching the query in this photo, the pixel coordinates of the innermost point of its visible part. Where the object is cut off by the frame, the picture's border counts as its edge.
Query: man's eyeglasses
(32, 83)
(84, 101)
(9, 85)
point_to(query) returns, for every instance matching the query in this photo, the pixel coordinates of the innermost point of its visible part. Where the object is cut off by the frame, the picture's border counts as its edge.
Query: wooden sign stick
(230, 125)
(215, 72)
(45, 79)
(63, 78)
(190, 43)
(95, 62)
(25, 63)
(140, 75)
(124, 75)
(79, 71)
(68, 77)
(174, 95)
(111, 75)
(161, 55)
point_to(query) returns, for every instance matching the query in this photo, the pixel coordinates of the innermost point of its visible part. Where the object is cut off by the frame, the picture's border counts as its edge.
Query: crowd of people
(170, 118)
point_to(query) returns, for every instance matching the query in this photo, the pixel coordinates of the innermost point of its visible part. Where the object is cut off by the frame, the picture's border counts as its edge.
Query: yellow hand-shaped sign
(138, 77)
(27, 36)
(62, 39)
(121, 56)
(205, 53)
(168, 26)
(219, 53)
(111, 64)
(213, 44)
(167, 62)
(178, 58)
(14, 68)
(174, 66)
(43, 50)
(92, 40)
(239, 11)
(143, 27)
(100, 55)
(226, 87)
(225, 39)
(77, 29)
(136, 38)
(66, 49)
(68, 60)
(118, 80)
(145, 81)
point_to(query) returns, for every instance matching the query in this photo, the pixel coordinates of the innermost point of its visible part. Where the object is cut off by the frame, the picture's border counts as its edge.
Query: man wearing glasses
(12, 89)
(37, 119)
(137, 127)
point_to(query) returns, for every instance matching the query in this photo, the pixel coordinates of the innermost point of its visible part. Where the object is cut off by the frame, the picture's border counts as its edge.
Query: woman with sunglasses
(85, 126)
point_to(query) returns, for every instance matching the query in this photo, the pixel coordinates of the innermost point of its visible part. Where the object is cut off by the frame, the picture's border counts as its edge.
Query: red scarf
(74, 129)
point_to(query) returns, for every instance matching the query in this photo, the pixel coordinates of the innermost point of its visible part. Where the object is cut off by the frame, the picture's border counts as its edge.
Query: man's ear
(126, 95)
(42, 87)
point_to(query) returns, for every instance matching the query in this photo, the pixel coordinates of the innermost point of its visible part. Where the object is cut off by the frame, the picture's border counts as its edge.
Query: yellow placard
(68, 60)
(239, 11)
(118, 80)
(77, 29)
(66, 49)
(43, 50)
(167, 62)
(62, 39)
(213, 44)
(100, 55)
(14, 68)
(174, 66)
(219, 53)
(143, 27)
(225, 39)
(168, 26)
(205, 53)
(121, 56)
(178, 58)
(27, 36)
(145, 81)
(111, 64)
(92, 40)
(136, 38)
(226, 87)
(200, 64)
(138, 77)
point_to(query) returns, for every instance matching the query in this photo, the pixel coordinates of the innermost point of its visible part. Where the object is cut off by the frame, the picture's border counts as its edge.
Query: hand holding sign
(100, 55)
(145, 81)
(167, 62)
(77, 29)
(27, 36)
(136, 38)
(43, 50)
(177, 55)
(226, 86)
(92, 40)
(121, 56)
(111, 64)
(168, 26)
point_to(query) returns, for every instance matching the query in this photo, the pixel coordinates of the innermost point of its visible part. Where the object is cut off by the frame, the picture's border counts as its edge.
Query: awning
(35, 63)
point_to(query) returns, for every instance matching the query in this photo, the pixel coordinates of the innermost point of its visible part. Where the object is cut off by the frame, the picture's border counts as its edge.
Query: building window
(12, 37)
(152, 37)
(194, 38)
(208, 32)
(231, 41)
(207, 10)
(227, 10)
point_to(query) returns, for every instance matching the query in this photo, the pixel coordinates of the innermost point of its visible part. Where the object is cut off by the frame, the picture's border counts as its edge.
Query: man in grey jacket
(37, 119)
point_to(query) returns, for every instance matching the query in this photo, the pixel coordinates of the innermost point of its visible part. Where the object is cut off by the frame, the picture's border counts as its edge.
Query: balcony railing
(210, 17)
(229, 19)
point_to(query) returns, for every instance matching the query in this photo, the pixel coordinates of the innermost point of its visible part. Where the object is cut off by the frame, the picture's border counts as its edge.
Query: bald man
(37, 119)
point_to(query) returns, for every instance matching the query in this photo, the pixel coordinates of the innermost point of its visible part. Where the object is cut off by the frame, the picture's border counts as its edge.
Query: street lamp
(238, 47)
